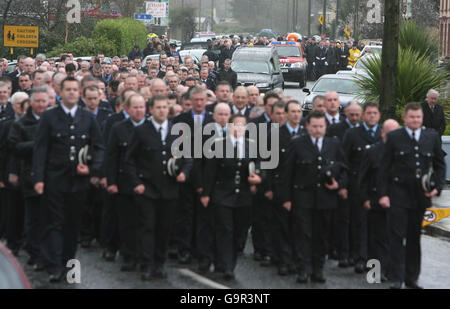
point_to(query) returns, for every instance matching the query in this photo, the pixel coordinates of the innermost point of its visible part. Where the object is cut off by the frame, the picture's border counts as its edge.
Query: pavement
(442, 227)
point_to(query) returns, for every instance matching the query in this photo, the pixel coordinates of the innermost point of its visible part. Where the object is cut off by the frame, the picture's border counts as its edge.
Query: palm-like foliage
(416, 75)
(418, 39)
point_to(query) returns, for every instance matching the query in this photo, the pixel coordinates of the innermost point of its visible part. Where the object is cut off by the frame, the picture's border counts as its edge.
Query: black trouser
(319, 69)
(230, 224)
(378, 239)
(358, 227)
(283, 245)
(310, 71)
(3, 212)
(404, 238)
(33, 227)
(15, 219)
(61, 227)
(128, 225)
(342, 228)
(184, 219)
(155, 222)
(92, 213)
(110, 224)
(262, 225)
(332, 68)
(204, 234)
(310, 230)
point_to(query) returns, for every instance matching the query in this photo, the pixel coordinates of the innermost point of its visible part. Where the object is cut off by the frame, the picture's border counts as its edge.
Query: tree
(184, 19)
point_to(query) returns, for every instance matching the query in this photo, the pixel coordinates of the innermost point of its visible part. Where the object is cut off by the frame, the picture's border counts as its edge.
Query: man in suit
(15, 74)
(283, 246)
(310, 51)
(229, 186)
(207, 79)
(223, 95)
(197, 118)
(119, 184)
(343, 53)
(240, 102)
(355, 144)
(156, 191)
(433, 113)
(6, 109)
(320, 62)
(377, 217)
(409, 154)
(312, 176)
(333, 105)
(340, 226)
(21, 138)
(110, 222)
(58, 173)
(227, 74)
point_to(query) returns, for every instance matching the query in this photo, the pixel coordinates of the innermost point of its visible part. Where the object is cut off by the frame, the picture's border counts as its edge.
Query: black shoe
(257, 256)
(204, 266)
(86, 243)
(360, 267)
(56, 277)
(303, 278)
(229, 275)
(184, 258)
(413, 285)
(128, 266)
(109, 255)
(318, 277)
(343, 263)
(266, 261)
(159, 273)
(147, 276)
(283, 270)
(334, 255)
(396, 286)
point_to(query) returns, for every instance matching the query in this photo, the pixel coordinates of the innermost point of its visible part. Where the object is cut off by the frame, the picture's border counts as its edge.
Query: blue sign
(142, 16)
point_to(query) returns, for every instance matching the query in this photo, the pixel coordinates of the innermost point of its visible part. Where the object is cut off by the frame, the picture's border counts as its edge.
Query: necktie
(334, 120)
(414, 136)
(317, 144)
(69, 115)
(161, 133)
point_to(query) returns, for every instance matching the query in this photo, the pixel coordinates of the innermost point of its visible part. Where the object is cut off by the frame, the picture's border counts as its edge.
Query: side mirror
(306, 90)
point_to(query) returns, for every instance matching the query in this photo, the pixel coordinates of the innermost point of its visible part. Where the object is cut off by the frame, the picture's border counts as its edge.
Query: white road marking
(201, 279)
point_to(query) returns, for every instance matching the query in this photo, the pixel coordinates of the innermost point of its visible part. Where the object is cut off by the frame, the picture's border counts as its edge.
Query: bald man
(222, 115)
(240, 102)
(253, 95)
(353, 113)
(333, 104)
(158, 87)
(377, 216)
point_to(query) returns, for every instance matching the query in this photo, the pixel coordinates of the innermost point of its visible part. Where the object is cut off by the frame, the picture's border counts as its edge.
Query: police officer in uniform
(119, 184)
(377, 218)
(320, 63)
(229, 186)
(312, 175)
(356, 142)
(409, 155)
(156, 190)
(62, 177)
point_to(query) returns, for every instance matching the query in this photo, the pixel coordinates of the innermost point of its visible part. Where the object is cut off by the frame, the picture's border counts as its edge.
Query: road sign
(21, 36)
(157, 9)
(321, 20)
(143, 16)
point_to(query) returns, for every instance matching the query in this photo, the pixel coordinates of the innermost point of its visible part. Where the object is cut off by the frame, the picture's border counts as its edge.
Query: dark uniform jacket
(229, 76)
(146, 162)
(226, 179)
(368, 173)
(57, 144)
(338, 130)
(8, 163)
(196, 175)
(405, 162)
(21, 138)
(434, 119)
(7, 111)
(118, 143)
(320, 55)
(302, 172)
(343, 57)
(310, 53)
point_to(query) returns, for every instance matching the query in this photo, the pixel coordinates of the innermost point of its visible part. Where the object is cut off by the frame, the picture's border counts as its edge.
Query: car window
(345, 86)
(288, 51)
(240, 66)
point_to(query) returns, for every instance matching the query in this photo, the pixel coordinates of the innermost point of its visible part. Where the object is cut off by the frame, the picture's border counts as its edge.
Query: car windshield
(288, 51)
(345, 86)
(259, 67)
(360, 64)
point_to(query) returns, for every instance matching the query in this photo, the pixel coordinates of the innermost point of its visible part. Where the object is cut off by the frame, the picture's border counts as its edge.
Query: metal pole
(338, 11)
(287, 15)
(293, 14)
(355, 23)
(212, 15)
(309, 17)
(324, 25)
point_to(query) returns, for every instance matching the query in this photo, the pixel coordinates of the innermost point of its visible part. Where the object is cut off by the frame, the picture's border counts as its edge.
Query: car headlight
(262, 85)
(297, 65)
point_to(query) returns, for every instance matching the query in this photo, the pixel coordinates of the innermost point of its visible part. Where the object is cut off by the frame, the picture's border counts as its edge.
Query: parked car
(343, 84)
(293, 64)
(11, 274)
(259, 66)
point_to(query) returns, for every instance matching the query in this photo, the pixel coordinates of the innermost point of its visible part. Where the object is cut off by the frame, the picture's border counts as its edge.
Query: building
(444, 28)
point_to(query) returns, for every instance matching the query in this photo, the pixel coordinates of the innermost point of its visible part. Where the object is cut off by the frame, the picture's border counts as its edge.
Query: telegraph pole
(338, 11)
(309, 17)
(324, 25)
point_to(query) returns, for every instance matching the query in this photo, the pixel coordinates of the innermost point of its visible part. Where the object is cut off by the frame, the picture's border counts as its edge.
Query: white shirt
(72, 111)
(240, 145)
(237, 111)
(35, 116)
(330, 118)
(221, 130)
(319, 143)
(416, 133)
(164, 130)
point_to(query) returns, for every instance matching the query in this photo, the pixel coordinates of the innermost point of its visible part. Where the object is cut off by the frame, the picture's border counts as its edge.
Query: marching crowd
(86, 153)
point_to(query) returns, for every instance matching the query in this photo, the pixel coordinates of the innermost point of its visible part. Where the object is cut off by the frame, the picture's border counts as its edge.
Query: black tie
(334, 120)
(69, 115)
(414, 136)
(317, 144)
(161, 133)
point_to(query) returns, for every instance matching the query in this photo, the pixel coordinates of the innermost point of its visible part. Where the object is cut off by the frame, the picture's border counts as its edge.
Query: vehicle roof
(284, 43)
(338, 76)
(255, 53)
